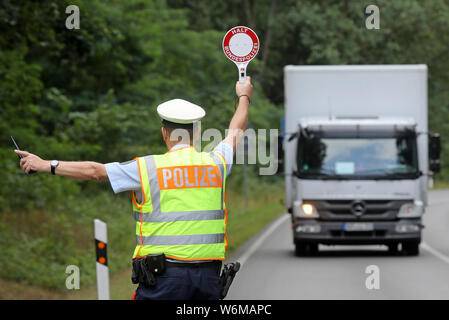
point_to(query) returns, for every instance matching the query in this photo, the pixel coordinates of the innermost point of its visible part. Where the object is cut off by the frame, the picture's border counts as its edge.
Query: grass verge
(242, 225)
(440, 185)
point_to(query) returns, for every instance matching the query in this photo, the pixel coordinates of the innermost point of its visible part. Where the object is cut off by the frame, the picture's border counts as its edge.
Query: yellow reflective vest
(181, 211)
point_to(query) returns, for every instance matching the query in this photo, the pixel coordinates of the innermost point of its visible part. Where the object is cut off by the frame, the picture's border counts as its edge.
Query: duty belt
(216, 265)
(146, 268)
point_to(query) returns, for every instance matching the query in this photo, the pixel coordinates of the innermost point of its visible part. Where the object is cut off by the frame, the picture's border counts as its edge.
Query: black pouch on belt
(145, 269)
(156, 263)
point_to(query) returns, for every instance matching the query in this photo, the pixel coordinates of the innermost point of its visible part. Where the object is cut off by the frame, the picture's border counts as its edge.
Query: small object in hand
(20, 157)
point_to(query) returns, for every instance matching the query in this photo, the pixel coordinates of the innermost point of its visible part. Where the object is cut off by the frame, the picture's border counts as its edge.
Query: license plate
(358, 226)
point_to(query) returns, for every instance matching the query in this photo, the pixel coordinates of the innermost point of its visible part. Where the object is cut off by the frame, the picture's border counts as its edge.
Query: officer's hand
(32, 162)
(244, 88)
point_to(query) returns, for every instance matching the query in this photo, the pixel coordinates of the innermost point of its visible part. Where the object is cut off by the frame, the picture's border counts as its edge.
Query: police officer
(178, 200)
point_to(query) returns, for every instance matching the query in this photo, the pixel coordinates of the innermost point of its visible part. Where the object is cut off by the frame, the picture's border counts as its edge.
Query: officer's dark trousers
(182, 283)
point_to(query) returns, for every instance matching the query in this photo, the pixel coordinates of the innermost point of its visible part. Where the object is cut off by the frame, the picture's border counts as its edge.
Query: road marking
(438, 203)
(244, 257)
(248, 253)
(435, 252)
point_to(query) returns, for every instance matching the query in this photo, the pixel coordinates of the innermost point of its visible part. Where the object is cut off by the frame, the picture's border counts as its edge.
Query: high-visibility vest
(181, 211)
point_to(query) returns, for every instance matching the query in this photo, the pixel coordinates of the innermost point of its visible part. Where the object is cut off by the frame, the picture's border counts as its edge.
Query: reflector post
(101, 241)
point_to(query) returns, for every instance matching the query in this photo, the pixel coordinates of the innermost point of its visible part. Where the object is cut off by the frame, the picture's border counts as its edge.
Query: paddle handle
(242, 73)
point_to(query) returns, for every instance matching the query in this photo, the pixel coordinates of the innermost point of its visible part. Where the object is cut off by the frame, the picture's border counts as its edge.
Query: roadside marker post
(101, 241)
(241, 45)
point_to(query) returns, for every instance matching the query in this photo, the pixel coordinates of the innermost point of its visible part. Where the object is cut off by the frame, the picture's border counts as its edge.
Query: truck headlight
(411, 210)
(306, 210)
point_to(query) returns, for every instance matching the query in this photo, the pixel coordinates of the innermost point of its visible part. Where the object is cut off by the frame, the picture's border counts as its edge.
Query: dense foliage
(90, 94)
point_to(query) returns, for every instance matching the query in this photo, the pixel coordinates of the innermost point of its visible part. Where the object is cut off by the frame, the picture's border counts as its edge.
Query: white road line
(248, 253)
(435, 252)
(438, 203)
(244, 257)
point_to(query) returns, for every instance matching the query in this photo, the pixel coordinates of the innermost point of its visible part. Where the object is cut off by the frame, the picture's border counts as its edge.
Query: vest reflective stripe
(180, 188)
(220, 166)
(154, 183)
(178, 216)
(218, 162)
(182, 240)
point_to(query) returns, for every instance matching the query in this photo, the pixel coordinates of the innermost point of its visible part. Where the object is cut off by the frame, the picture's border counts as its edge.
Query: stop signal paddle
(241, 45)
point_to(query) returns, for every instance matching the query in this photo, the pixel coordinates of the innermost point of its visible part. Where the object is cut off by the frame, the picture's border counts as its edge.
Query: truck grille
(347, 210)
(374, 233)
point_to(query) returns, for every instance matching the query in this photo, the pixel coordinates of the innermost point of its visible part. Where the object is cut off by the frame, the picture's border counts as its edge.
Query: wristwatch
(53, 165)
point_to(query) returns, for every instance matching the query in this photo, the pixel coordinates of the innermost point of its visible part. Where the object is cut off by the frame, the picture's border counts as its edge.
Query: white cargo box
(328, 94)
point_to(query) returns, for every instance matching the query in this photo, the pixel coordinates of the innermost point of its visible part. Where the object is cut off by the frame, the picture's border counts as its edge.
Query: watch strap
(53, 168)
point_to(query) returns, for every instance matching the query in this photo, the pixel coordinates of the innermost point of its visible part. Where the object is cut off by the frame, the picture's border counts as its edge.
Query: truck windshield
(357, 158)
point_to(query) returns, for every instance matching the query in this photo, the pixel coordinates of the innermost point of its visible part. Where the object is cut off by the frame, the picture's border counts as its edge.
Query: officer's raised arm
(239, 121)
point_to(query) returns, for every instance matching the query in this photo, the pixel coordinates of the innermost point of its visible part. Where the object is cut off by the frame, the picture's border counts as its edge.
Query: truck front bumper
(333, 232)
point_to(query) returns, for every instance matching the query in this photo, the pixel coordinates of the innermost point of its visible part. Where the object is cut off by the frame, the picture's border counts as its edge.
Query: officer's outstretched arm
(80, 170)
(239, 121)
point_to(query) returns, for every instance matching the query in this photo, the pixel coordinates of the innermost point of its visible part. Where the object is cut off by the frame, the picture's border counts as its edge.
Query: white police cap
(180, 111)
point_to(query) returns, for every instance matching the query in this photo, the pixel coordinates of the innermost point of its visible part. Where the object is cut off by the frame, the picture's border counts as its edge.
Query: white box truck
(356, 155)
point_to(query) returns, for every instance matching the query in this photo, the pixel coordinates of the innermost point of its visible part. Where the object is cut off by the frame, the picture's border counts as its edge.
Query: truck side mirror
(280, 159)
(434, 152)
(434, 146)
(435, 166)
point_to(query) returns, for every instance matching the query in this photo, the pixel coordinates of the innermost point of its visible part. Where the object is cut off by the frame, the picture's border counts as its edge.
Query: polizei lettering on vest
(188, 177)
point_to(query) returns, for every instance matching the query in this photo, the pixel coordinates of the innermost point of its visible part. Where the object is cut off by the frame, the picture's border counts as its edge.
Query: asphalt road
(270, 270)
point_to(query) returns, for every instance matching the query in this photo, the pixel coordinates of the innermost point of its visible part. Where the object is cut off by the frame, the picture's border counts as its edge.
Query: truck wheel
(393, 248)
(305, 249)
(300, 249)
(410, 248)
(313, 248)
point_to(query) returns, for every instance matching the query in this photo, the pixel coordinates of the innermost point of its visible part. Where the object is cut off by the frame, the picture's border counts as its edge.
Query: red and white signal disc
(241, 44)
